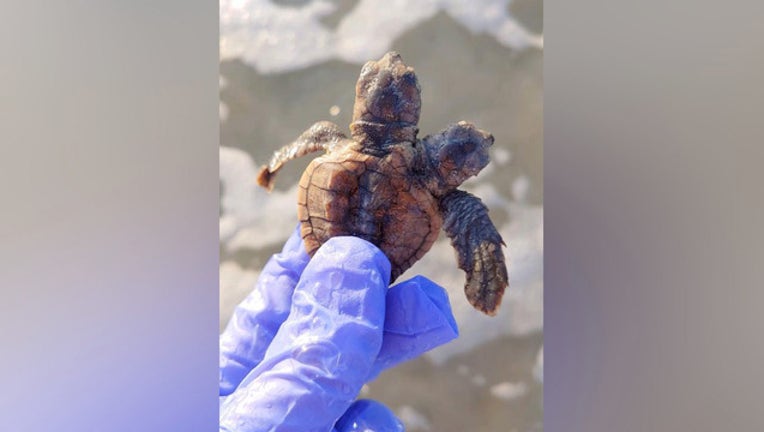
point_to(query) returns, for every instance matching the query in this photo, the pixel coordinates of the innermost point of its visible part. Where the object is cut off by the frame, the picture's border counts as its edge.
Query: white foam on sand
(413, 419)
(479, 380)
(520, 188)
(223, 108)
(251, 217)
(538, 368)
(275, 38)
(502, 156)
(508, 390)
(235, 284)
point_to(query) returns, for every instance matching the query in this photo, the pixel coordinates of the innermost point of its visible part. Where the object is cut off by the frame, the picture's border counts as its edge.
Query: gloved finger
(418, 318)
(322, 354)
(255, 321)
(366, 415)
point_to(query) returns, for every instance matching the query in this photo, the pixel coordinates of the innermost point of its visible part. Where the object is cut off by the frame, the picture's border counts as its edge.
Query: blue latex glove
(298, 350)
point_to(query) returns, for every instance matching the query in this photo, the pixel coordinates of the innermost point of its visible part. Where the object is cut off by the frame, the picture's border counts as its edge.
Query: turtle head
(387, 102)
(455, 154)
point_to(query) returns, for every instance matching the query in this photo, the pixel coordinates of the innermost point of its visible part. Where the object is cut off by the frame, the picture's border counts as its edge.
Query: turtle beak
(487, 138)
(483, 156)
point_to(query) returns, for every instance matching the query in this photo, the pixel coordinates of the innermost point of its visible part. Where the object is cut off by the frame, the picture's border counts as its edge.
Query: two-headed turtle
(386, 186)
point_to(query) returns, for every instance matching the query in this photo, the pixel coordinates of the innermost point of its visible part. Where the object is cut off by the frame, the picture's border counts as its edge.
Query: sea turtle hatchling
(388, 187)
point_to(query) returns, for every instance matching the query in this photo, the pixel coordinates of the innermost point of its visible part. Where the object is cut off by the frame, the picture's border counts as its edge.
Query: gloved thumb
(366, 415)
(322, 354)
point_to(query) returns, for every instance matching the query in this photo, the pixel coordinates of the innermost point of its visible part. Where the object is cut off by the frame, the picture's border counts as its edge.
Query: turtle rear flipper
(321, 136)
(478, 247)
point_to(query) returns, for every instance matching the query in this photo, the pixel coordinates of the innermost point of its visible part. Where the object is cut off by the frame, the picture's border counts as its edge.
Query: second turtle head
(457, 153)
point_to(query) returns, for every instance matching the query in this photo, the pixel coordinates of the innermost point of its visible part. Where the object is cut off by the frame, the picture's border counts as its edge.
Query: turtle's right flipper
(321, 136)
(478, 247)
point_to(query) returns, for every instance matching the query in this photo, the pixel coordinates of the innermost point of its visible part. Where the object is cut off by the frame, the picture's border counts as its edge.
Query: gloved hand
(299, 348)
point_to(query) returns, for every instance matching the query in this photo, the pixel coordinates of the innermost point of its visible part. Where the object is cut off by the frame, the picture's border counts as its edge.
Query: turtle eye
(468, 147)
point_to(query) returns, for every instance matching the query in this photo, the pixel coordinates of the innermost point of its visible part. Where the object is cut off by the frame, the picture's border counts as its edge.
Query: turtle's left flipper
(478, 247)
(320, 136)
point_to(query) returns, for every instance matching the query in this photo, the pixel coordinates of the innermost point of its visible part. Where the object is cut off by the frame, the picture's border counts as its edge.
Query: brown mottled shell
(348, 192)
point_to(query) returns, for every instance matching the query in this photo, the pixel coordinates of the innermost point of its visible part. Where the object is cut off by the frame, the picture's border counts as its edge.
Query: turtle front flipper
(478, 246)
(321, 136)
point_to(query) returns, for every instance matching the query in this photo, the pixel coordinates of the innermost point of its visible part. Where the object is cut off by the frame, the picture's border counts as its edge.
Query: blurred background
(287, 64)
